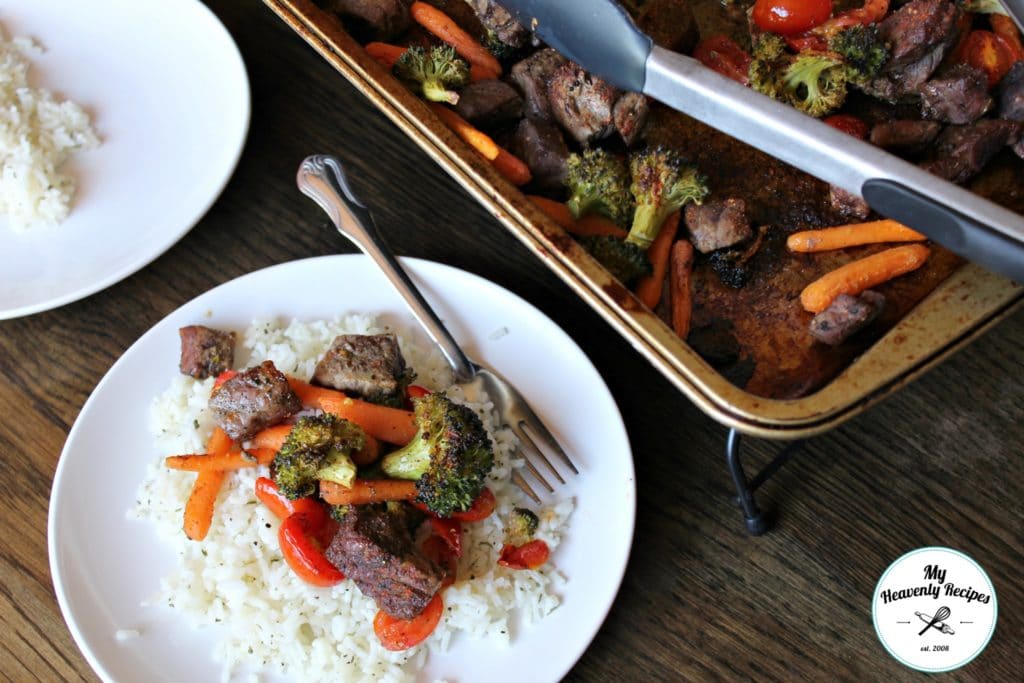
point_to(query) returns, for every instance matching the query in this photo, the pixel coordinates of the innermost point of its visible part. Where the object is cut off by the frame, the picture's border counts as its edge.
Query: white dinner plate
(167, 92)
(104, 564)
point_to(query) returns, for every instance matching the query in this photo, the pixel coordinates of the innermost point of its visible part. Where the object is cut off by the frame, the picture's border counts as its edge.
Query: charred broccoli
(662, 183)
(769, 55)
(598, 182)
(496, 46)
(816, 83)
(862, 50)
(317, 447)
(813, 82)
(438, 73)
(522, 525)
(625, 261)
(449, 457)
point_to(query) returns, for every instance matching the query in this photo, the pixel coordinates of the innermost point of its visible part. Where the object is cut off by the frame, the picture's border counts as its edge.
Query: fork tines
(531, 452)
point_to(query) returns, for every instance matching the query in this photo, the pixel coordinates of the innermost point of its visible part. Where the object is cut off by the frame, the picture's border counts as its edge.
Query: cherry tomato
(301, 537)
(451, 531)
(990, 53)
(722, 54)
(1004, 27)
(526, 556)
(849, 124)
(268, 494)
(437, 550)
(789, 17)
(401, 634)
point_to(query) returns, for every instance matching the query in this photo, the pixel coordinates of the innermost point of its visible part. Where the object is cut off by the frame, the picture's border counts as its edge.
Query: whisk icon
(935, 621)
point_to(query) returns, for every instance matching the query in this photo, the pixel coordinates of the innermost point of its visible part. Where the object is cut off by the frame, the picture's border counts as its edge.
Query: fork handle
(322, 178)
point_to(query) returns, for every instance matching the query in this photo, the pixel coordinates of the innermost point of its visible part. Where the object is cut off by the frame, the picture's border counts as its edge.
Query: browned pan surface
(760, 372)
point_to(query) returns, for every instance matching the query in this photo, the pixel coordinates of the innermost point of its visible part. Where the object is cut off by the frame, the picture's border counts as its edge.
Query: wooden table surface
(938, 464)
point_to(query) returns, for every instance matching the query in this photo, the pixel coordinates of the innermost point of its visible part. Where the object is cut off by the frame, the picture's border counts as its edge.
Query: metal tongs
(601, 37)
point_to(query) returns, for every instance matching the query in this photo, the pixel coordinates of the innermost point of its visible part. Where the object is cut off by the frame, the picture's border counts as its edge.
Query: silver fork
(322, 178)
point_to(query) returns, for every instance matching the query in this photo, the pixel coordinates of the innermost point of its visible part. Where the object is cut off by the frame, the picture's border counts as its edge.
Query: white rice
(236, 576)
(37, 134)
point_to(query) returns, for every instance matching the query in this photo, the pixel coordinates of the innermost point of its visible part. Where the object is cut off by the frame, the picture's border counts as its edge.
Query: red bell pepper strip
(401, 634)
(449, 530)
(301, 537)
(724, 55)
(849, 124)
(283, 507)
(437, 550)
(526, 556)
(416, 391)
(224, 377)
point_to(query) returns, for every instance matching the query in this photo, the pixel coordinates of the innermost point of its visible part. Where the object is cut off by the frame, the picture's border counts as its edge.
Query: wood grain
(939, 463)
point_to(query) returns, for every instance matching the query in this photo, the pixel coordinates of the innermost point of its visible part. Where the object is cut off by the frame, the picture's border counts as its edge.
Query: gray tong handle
(322, 178)
(601, 37)
(975, 228)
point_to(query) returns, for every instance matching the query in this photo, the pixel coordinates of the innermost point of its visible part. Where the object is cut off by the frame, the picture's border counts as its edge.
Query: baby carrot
(393, 425)
(648, 288)
(385, 54)
(232, 460)
(865, 273)
(842, 236)
(511, 167)
(442, 26)
(590, 224)
(681, 270)
(474, 137)
(556, 211)
(199, 507)
(365, 491)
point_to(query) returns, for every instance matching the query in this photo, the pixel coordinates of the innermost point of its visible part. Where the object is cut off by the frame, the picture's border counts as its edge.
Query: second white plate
(104, 565)
(168, 94)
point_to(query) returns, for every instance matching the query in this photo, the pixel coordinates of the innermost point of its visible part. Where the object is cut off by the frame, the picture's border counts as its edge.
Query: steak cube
(582, 103)
(375, 549)
(958, 96)
(253, 400)
(531, 76)
(717, 224)
(368, 366)
(205, 352)
(540, 144)
(845, 316)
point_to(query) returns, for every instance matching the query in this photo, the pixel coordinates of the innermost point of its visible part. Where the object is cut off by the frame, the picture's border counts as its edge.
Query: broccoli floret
(767, 65)
(449, 457)
(769, 47)
(496, 46)
(662, 183)
(522, 525)
(317, 447)
(438, 73)
(624, 260)
(862, 50)
(598, 182)
(816, 83)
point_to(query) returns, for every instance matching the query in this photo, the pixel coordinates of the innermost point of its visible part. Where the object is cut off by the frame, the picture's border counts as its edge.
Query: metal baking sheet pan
(960, 309)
